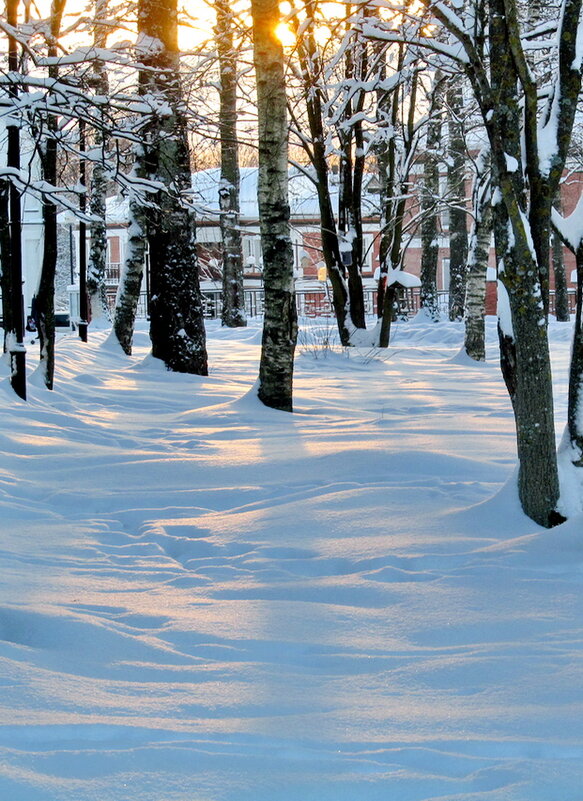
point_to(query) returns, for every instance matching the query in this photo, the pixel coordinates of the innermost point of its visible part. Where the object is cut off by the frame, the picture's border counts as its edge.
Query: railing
(314, 303)
(112, 273)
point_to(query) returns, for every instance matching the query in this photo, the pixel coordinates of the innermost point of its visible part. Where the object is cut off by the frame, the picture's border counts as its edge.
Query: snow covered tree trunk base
(339, 304)
(100, 316)
(526, 367)
(356, 297)
(128, 294)
(280, 320)
(99, 313)
(475, 302)
(389, 299)
(233, 313)
(277, 351)
(176, 315)
(475, 338)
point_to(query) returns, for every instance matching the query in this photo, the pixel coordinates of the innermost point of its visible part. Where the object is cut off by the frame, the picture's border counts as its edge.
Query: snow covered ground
(202, 599)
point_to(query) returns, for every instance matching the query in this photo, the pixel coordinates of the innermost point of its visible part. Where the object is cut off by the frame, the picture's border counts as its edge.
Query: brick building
(308, 260)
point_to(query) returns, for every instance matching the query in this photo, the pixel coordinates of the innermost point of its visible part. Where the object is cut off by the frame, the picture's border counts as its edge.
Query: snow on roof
(303, 196)
(403, 278)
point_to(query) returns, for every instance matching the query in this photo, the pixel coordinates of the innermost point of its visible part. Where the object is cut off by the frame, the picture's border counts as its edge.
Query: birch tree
(233, 313)
(456, 196)
(97, 263)
(430, 228)
(477, 267)
(280, 323)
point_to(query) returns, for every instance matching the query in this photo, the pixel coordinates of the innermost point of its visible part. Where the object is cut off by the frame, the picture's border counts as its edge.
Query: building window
(445, 274)
(113, 267)
(252, 260)
(367, 253)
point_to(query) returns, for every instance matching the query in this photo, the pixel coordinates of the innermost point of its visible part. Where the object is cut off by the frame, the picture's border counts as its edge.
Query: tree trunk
(15, 335)
(84, 310)
(456, 173)
(311, 67)
(44, 301)
(575, 407)
(5, 260)
(524, 348)
(393, 209)
(475, 300)
(176, 312)
(350, 175)
(561, 294)
(429, 204)
(280, 323)
(233, 313)
(128, 293)
(97, 265)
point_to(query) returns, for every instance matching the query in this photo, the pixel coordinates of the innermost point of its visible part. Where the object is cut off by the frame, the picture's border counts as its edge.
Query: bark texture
(44, 301)
(280, 321)
(475, 297)
(315, 144)
(561, 295)
(5, 260)
(351, 172)
(524, 349)
(394, 164)
(233, 312)
(15, 335)
(97, 263)
(575, 407)
(430, 202)
(176, 312)
(128, 293)
(456, 175)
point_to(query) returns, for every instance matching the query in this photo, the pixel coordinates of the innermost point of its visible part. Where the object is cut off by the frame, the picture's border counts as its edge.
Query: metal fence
(315, 302)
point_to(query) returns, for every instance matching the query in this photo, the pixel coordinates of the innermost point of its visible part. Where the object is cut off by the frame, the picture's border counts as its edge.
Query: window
(445, 274)
(252, 260)
(367, 253)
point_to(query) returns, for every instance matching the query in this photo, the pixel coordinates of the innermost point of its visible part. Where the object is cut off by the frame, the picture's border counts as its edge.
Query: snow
(203, 599)
(402, 278)
(504, 312)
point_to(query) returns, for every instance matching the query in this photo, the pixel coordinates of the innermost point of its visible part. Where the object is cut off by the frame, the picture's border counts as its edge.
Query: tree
(571, 233)
(529, 128)
(176, 314)
(456, 195)
(233, 313)
(561, 294)
(14, 334)
(44, 302)
(432, 158)
(280, 321)
(475, 299)
(395, 156)
(313, 89)
(352, 159)
(97, 264)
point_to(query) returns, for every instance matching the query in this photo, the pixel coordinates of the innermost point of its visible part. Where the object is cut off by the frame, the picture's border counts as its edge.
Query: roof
(303, 197)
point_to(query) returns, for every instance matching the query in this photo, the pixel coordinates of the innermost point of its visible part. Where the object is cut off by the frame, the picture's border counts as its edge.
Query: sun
(285, 35)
